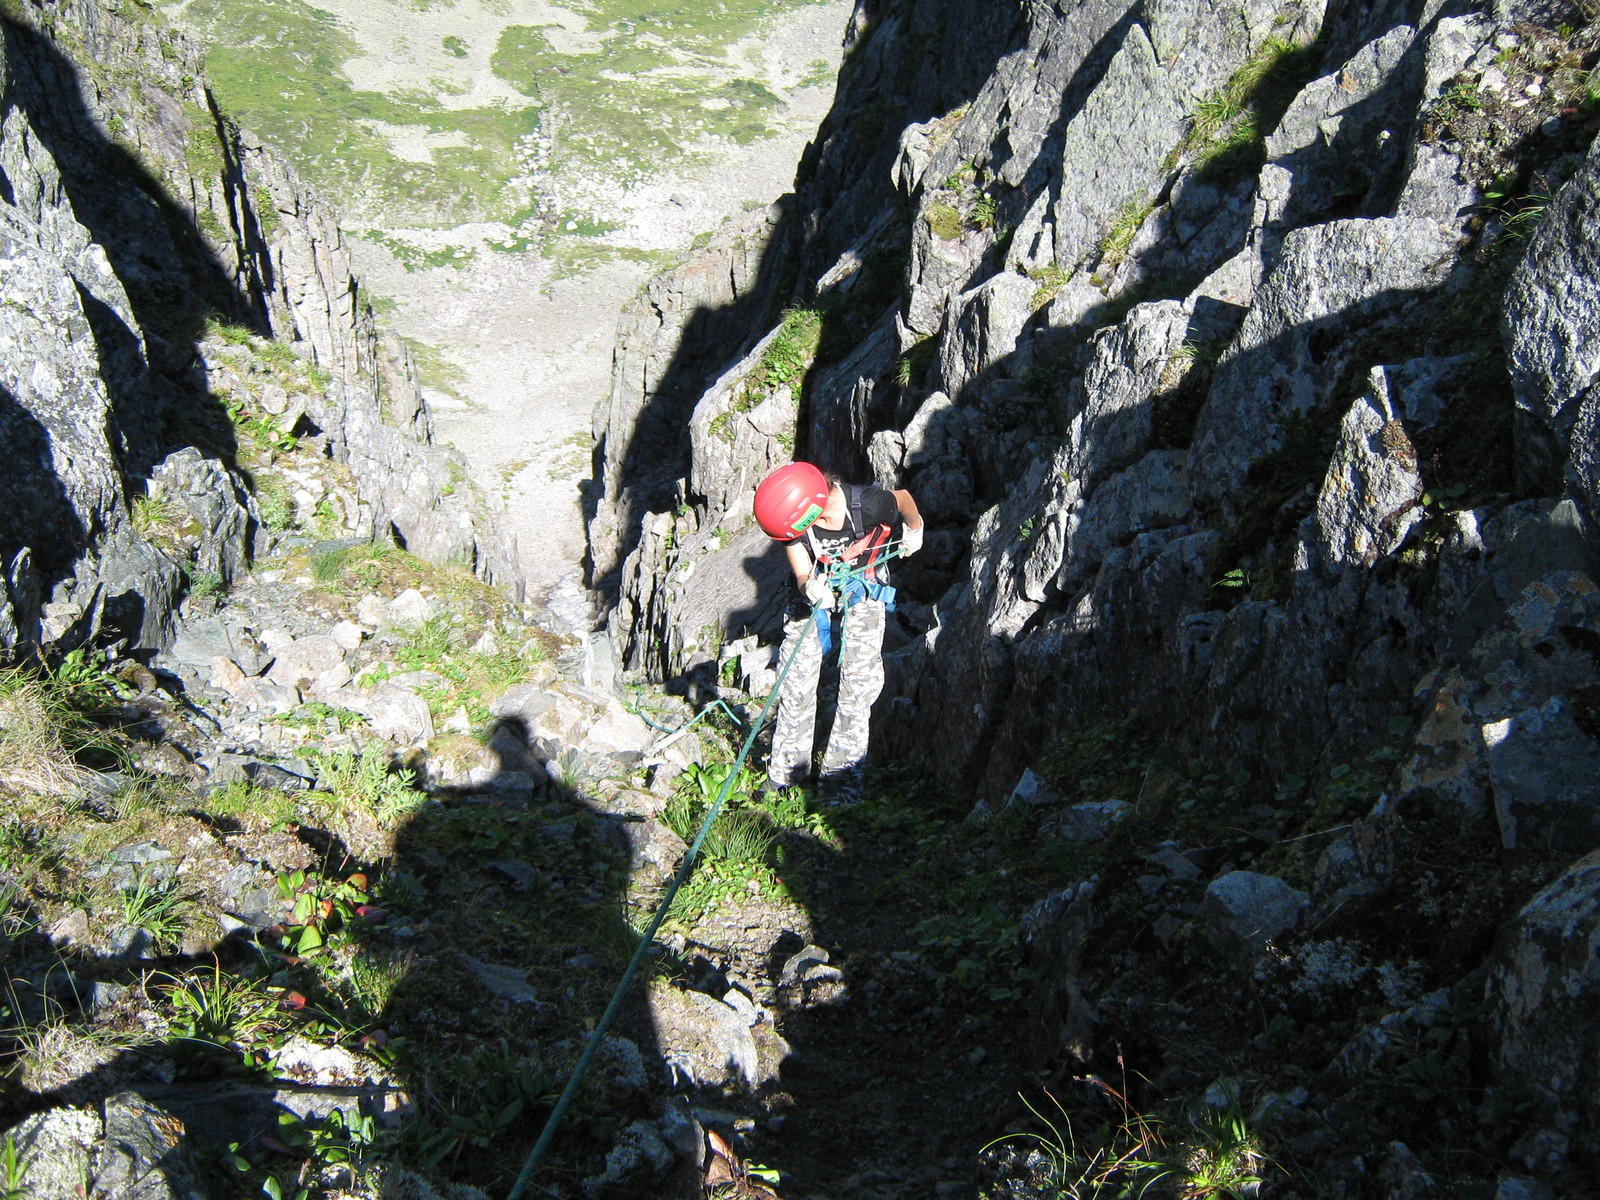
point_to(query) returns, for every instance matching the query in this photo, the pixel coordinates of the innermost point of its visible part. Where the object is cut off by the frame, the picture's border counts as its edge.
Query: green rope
(536, 1155)
(647, 939)
(639, 712)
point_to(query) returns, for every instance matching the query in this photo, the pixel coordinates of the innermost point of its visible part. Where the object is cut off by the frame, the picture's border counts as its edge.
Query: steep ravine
(1238, 358)
(1233, 810)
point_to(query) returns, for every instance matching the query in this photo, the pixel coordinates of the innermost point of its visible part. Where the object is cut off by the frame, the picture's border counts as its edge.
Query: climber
(840, 537)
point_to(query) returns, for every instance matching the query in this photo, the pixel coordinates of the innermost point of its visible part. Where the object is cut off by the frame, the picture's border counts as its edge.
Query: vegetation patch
(1227, 130)
(1114, 246)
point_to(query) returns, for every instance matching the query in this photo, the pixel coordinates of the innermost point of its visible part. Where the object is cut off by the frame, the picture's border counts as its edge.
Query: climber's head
(790, 499)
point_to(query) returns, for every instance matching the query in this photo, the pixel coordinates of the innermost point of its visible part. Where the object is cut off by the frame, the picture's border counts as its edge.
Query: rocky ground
(330, 895)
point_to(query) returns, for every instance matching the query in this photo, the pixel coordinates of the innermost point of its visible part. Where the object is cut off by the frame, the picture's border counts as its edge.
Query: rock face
(1548, 973)
(1276, 431)
(1250, 512)
(133, 214)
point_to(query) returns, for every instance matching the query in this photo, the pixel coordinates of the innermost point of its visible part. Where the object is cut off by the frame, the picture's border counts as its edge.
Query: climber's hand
(819, 594)
(910, 541)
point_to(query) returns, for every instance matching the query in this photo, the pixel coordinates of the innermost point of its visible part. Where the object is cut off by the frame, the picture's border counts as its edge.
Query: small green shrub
(157, 908)
(369, 782)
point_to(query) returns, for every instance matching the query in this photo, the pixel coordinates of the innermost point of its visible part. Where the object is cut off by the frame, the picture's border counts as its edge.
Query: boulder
(304, 660)
(146, 1154)
(347, 635)
(409, 609)
(1087, 822)
(56, 1150)
(1545, 1040)
(1034, 791)
(1509, 734)
(1244, 910)
(394, 713)
(1326, 280)
(1371, 496)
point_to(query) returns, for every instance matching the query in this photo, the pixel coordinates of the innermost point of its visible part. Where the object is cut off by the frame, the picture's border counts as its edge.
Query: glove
(910, 541)
(819, 594)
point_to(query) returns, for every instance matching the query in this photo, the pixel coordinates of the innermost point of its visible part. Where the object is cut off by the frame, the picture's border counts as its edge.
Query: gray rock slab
(1087, 822)
(1327, 278)
(57, 1150)
(147, 1155)
(1552, 316)
(1546, 968)
(510, 983)
(304, 660)
(1244, 910)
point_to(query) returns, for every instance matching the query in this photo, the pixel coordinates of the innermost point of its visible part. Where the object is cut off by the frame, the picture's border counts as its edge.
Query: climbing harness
(848, 576)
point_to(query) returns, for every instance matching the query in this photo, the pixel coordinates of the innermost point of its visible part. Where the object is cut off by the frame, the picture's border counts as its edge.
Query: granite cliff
(1241, 360)
(140, 221)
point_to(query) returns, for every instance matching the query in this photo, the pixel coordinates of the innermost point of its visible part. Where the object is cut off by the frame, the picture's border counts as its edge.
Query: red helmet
(790, 499)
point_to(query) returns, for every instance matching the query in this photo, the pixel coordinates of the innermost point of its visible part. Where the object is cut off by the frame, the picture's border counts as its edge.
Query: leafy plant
(959, 177)
(369, 782)
(157, 908)
(787, 355)
(206, 585)
(220, 1010)
(507, 1089)
(1224, 1161)
(13, 1172)
(274, 502)
(272, 1187)
(741, 834)
(428, 644)
(1236, 578)
(983, 213)
(321, 909)
(976, 950)
(337, 1138)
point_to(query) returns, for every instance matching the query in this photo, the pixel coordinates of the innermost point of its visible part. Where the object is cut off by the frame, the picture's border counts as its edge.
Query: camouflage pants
(860, 681)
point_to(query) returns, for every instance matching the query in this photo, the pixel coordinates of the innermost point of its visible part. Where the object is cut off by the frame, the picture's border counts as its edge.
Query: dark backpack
(870, 543)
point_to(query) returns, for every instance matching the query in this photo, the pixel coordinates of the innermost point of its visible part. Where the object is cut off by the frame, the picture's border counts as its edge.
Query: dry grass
(34, 756)
(58, 1054)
